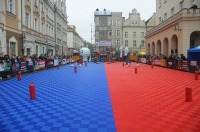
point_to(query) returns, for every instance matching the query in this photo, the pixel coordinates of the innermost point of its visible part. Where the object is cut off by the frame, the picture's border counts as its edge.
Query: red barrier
(19, 75)
(123, 64)
(188, 94)
(196, 74)
(32, 91)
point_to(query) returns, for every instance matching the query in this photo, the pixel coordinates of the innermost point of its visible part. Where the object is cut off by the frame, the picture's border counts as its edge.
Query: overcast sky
(81, 12)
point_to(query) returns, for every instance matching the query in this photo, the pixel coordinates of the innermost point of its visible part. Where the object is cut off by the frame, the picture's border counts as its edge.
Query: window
(159, 3)
(126, 34)
(165, 16)
(28, 51)
(36, 49)
(118, 32)
(110, 22)
(142, 43)
(47, 30)
(142, 34)
(134, 43)
(181, 5)
(118, 42)
(160, 21)
(35, 24)
(42, 28)
(52, 31)
(126, 42)
(110, 33)
(43, 50)
(36, 3)
(134, 34)
(193, 2)
(27, 20)
(172, 11)
(118, 23)
(11, 6)
(42, 7)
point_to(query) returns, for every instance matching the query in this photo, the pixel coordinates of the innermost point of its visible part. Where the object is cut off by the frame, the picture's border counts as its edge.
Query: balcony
(183, 14)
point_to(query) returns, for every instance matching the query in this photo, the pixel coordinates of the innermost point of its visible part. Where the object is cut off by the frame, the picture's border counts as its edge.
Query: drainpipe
(22, 28)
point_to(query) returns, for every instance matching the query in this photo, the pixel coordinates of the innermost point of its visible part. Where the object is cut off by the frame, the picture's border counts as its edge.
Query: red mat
(153, 100)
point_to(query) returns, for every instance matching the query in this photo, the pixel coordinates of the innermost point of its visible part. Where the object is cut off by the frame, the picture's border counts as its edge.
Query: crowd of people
(34, 57)
(161, 56)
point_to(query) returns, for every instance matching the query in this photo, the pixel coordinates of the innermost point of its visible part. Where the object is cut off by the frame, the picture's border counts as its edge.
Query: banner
(156, 62)
(30, 66)
(143, 60)
(102, 13)
(56, 62)
(23, 66)
(41, 64)
(103, 43)
(193, 63)
(50, 63)
(64, 61)
(15, 67)
(1, 66)
(36, 66)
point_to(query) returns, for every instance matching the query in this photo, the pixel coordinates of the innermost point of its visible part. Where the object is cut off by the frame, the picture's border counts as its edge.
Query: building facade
(33, 27)
(10, 27)
(108, 30)
(134, 30)
(74, 40)
(177, 27)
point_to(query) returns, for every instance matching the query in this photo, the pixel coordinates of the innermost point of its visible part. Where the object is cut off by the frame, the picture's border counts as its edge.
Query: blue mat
(65, 101)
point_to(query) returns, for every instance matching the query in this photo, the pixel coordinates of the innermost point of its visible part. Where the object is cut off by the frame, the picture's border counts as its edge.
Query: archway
(153, 48)
(13, 46)
(166, 47)
(148, 48)
(195, 39)
(158, 48)
(174, 44)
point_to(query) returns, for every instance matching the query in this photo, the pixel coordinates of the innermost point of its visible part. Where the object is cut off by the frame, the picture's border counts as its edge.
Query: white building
(134, 30)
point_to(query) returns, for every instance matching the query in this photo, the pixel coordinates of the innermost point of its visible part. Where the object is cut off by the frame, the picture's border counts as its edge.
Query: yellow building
(177, 27)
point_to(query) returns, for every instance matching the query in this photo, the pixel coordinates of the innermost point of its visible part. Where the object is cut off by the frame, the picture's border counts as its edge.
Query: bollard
(151, 66)
(57, 66)
(123, 64)
(196, 74)
(32, 91)
(75, 69)
(188, 94)
(19, 75)
(86, 63)
(136, 70)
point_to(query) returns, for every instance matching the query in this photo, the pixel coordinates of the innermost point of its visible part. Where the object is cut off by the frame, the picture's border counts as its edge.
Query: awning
(28, 45)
